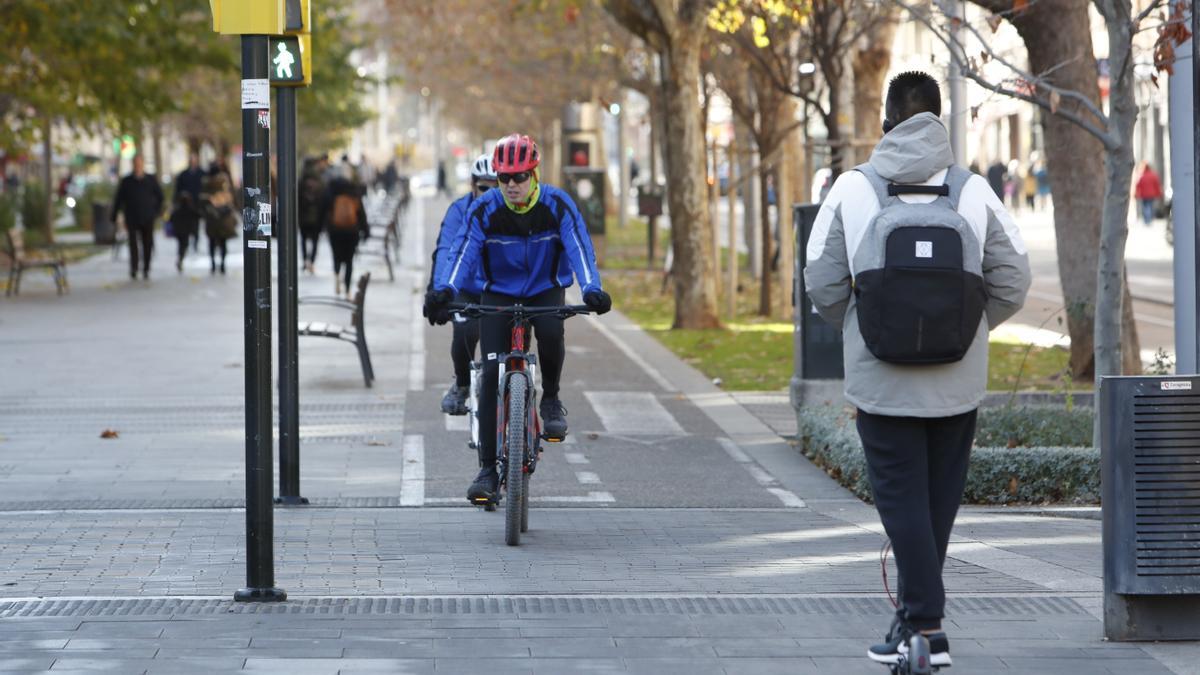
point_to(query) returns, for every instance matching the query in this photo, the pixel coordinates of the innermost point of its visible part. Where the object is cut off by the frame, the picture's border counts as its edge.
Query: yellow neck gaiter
(534, 193)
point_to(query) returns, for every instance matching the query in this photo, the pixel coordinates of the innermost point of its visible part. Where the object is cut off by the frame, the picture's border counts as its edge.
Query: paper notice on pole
(256, 94)
(256, 243)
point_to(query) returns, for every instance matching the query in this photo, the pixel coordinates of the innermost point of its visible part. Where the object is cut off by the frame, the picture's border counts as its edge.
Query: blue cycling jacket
(522, 254)
(452, 225)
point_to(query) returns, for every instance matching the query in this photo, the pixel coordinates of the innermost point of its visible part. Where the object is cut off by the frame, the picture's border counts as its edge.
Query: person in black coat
(345, 219)
(185, 213)
(140, 199)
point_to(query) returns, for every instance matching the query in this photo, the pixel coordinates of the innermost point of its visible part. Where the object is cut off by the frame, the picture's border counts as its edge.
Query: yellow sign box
(249, 17)
(298, 18)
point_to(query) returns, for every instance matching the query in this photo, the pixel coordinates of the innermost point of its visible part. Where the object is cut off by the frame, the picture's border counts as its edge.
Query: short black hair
(912, 93)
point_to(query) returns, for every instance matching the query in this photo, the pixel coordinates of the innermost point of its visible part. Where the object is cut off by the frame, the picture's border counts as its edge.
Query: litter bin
(1150, 491)
(104, 231)
(817, 371)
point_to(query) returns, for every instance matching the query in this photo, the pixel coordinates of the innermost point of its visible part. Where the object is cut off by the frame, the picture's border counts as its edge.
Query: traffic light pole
(256, 237)
(289, 378)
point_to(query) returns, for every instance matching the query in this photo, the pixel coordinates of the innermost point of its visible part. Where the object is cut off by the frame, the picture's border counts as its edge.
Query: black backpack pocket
(921, 307)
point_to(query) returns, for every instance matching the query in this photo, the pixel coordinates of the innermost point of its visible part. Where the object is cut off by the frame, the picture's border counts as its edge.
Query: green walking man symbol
(283, 62)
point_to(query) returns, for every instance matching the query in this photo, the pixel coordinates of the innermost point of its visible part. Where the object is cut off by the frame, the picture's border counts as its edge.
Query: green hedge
(1032, 475)
(1034, 426)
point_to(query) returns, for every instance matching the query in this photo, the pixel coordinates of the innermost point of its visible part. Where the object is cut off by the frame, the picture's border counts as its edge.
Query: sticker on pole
(256, 243)
(256, 94)
(1176, 385)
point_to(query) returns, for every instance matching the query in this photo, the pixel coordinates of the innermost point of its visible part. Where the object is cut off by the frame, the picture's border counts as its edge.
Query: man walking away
(140, 199)
(185, 215)
(916, 260)
(346, 221)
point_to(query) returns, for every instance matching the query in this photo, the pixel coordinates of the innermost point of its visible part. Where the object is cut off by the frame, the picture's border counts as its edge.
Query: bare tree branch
(1102, 133)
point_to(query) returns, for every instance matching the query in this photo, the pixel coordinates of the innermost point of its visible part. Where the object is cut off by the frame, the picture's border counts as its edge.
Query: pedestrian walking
(310, 198)
(220, 218)
(1148, 191)
(345, 219)
(186, 207)
(996, 178)
(1029, 188)
(140, 199)
(916, 259)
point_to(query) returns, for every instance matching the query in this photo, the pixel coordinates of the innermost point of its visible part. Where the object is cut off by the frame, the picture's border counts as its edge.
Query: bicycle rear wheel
(514, 440)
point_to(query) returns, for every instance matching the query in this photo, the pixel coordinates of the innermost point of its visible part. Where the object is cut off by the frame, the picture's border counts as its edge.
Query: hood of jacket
(915, 150)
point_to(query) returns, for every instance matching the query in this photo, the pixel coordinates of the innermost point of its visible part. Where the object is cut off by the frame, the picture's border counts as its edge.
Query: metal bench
(354, 333)
(21, 259)
(383, 217)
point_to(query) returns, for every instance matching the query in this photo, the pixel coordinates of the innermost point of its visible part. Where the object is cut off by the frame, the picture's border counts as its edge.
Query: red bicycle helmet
(515, 153)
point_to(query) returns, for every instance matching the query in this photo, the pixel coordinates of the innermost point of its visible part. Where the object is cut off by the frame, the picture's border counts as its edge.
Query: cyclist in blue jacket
(527, 240)
(466, 331)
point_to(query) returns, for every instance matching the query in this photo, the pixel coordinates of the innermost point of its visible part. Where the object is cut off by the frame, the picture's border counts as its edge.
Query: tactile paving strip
(756, 605)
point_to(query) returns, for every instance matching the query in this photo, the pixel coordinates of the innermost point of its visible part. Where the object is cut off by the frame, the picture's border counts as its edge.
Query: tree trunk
(764, 205)
(749, 194)
(48, 178)
(691, 238)
(1058, 35)
(870, 65)
(1118, 171)
(784, 199)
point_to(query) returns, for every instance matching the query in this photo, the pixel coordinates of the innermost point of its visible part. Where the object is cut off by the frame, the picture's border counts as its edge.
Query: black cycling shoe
(455, 400)
(486, 488)
(554, 419)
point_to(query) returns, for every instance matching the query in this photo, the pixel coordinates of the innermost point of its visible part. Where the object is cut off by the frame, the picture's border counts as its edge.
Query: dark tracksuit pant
(495, 333)
(462, 344)
(140, 237)
(344, 244)
(918, 468)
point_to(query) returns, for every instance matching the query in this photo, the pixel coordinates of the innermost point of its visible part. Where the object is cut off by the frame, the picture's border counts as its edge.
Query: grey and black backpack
(919, 283)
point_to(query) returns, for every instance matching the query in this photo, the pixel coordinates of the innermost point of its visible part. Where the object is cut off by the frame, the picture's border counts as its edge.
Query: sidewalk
(676, 531)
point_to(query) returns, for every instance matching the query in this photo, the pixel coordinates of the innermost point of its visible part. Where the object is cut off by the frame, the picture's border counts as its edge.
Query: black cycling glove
(435, 306)
(599, 301)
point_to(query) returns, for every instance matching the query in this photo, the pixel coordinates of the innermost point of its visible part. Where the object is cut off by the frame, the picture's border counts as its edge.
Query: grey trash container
(1150, 490)
(104, 231)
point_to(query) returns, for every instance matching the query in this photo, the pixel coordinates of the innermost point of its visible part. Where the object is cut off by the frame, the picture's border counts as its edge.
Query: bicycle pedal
(554, 439)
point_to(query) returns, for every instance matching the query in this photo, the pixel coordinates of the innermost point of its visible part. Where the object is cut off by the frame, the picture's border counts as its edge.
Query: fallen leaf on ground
(109, 433)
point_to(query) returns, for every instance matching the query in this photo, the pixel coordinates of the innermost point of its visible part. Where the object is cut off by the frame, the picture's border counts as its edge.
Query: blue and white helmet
(482, 170)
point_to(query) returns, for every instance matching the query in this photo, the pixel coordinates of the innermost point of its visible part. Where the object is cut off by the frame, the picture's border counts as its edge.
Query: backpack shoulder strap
(878, 182)
(956, 180)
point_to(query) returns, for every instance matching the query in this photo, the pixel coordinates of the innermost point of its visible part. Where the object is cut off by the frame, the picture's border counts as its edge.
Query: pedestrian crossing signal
(291, 60)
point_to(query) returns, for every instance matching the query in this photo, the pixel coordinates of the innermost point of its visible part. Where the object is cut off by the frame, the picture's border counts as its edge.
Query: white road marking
(788, 498)
(458, 422)
(761, 475)
(632, 412)
(631, 355)
(733, 450)
(412, 473)
(416, 363)
(575, 458)
(587, 478)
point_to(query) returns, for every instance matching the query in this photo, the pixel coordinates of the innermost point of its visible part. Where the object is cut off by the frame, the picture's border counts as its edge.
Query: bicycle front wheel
(514, 441)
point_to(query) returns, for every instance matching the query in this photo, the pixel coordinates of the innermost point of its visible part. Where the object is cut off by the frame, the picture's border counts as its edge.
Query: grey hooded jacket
(916, 152)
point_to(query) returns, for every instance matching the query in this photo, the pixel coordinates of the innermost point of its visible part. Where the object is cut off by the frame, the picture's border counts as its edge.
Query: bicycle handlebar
(475, 311)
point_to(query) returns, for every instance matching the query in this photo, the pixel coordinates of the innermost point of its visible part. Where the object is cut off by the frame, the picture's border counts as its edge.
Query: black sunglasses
(507, 178)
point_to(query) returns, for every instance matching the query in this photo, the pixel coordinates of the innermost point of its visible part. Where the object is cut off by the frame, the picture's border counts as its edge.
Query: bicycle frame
(518, 363)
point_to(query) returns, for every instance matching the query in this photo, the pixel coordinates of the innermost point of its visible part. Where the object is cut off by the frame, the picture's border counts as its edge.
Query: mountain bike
(518, 428)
